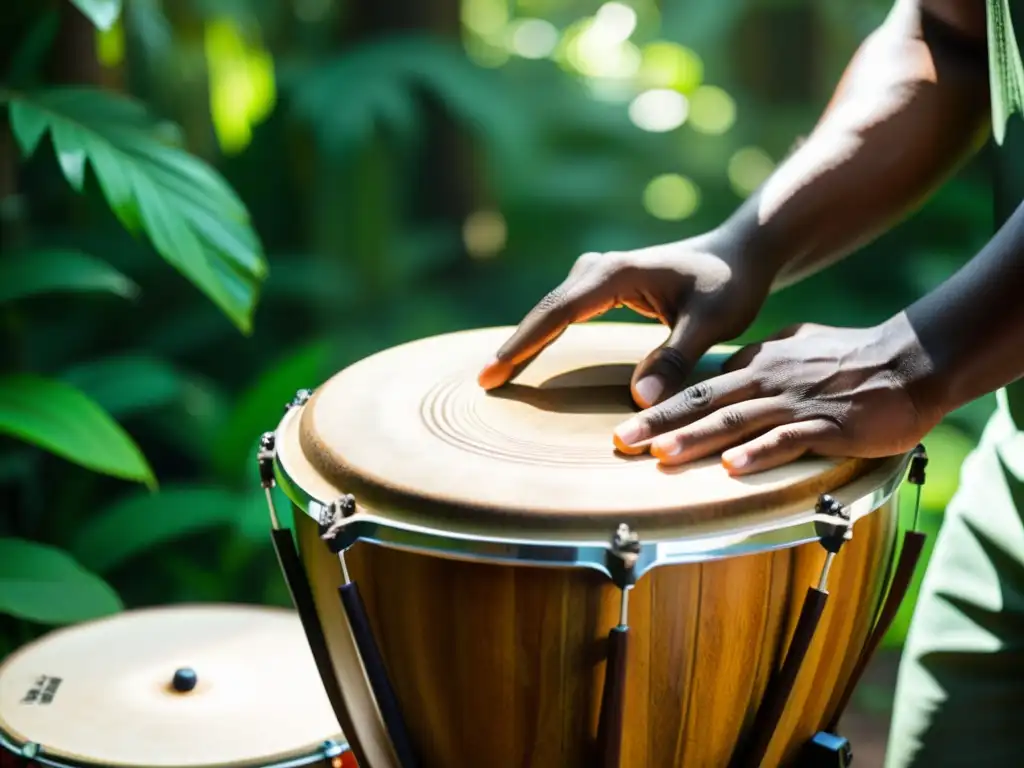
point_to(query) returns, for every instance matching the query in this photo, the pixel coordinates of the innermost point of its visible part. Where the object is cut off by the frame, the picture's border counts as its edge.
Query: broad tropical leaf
(43, 584)
(59, 418)
(102, 13)
(142, 521)
(128, 384)
(374, 87)
(192, 216)
(59, 271)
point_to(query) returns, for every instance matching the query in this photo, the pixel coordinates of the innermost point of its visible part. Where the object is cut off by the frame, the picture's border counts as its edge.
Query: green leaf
(102, 13)
(29, 56)
(193, 218)
(43, 584)
(143, 521)
(128, 384)
(59, 418)
(380, 81)
(58, 271)
(261, 407)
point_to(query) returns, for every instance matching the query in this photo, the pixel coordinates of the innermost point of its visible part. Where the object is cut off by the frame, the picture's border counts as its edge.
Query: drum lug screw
(626, 549)
(265, 459)
(300, 399)
(333, 517)
(832, 535)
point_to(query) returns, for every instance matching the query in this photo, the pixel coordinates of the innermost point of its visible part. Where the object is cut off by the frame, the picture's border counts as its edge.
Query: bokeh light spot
(614, 23)
(485, 17)
(659, 110)
(748, 168)
(671, 197)
(670, 65)
(533, 38)
(712, 110)
(484, 234)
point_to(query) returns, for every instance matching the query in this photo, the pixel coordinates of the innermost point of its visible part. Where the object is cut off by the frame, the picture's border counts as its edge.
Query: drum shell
(502, 665)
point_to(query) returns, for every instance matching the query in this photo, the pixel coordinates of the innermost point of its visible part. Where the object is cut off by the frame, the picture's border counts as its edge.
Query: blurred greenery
(208, 204)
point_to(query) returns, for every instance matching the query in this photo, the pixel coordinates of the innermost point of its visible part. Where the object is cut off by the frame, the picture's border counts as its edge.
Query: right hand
(704, 289)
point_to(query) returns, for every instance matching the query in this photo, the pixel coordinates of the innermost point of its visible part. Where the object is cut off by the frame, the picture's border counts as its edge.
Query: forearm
(971, 328)
(911, 107)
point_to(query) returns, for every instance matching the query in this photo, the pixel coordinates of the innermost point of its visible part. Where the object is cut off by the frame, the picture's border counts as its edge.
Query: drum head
(410, 427)
(102, 693)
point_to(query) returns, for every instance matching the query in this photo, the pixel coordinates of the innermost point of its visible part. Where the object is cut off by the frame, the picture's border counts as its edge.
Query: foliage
(388, 184)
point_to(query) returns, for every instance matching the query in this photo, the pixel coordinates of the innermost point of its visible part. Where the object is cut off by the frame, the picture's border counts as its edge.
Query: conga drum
(514, 592)
(189, 686)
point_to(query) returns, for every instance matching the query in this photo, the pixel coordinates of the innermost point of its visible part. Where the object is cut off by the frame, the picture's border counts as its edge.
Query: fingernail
(735, 460)
(629, 432)
(493, 374)
(666, 448)
(649, 389)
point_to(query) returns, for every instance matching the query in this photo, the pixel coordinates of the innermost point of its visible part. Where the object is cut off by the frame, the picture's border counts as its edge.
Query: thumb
(664, 372)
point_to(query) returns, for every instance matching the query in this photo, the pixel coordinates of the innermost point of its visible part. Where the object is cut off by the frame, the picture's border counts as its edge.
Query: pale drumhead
(258, 697)
(410, 427)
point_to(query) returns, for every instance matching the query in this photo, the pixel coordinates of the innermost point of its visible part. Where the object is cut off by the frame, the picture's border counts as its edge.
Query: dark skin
(912, 106)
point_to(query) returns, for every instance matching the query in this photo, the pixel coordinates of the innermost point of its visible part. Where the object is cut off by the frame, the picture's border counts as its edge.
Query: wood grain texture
(503, 666)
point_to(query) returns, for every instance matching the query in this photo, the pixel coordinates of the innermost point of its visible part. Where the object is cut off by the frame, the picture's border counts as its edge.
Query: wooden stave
(857, 585)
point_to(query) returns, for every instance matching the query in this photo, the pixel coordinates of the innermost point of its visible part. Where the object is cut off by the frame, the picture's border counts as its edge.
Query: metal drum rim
(52, 760)
(800, 525)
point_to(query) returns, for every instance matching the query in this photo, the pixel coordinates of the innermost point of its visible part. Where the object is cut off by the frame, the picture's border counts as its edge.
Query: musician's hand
(828, 391)
(705, 289)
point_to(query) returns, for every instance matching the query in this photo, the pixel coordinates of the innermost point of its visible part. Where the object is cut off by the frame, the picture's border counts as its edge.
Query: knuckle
(787, 436)
(697, 395)
(587, 261)
(733, 419)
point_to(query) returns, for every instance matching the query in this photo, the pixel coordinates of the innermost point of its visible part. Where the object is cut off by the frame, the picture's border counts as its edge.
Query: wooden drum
(502, 548)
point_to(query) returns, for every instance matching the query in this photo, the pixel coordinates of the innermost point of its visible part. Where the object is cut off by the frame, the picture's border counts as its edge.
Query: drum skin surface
(502, 665)
(257, 698)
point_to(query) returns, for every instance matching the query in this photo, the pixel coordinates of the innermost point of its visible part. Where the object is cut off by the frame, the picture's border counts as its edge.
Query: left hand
(829, 391)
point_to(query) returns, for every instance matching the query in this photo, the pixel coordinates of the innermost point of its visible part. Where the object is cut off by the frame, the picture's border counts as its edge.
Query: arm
(911, 107)
(971, 328)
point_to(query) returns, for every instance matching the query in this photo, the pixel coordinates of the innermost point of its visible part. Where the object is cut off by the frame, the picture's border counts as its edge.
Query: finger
(781, 445)
(664, 372)
(692, 403)
(719, 430)
(578, 298)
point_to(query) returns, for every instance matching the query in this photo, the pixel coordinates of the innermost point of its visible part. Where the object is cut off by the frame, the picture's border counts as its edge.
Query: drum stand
(827, 749)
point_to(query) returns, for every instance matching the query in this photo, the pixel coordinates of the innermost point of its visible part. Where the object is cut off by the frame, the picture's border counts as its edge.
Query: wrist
(914, 369)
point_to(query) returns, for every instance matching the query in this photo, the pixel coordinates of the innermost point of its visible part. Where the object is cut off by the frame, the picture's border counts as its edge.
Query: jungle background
(208, 204)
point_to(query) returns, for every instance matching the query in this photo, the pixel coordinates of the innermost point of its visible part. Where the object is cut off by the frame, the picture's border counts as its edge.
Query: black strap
(302, 598)
(609, 724)
(377, 674)
(781, 685)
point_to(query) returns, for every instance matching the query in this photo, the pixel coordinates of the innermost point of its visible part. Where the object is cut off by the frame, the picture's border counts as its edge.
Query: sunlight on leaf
(62, 420)
(102, 13)
(194, 219)
(242, 88)
(58, 271)
(43, 584)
